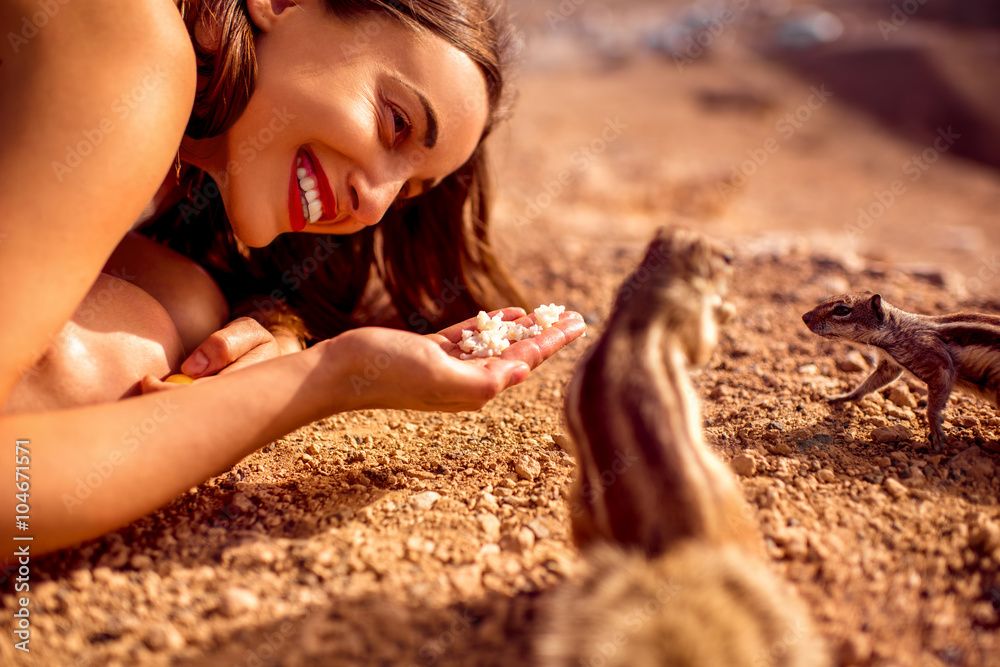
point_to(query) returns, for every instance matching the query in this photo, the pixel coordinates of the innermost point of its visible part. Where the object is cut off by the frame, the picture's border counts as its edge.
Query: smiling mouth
(310, 196)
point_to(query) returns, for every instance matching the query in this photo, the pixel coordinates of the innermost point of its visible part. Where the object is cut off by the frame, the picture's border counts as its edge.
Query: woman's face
(344, 119)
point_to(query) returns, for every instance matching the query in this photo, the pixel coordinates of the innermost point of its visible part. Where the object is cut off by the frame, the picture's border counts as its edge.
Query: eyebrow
(431, 137)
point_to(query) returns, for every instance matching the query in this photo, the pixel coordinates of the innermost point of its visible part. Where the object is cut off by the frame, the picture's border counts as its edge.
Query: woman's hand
(242, 342)
(397, 369)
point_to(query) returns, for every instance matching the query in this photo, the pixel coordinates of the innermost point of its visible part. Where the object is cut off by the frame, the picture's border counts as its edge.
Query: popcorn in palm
(493, 335)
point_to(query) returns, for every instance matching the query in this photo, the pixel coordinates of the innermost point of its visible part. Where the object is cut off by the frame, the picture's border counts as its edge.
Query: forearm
(150, 449)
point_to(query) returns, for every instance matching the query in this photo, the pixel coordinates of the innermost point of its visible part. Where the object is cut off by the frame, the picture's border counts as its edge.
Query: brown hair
(430, 257)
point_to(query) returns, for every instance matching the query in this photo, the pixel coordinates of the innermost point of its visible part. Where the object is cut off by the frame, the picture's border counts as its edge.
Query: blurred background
(866, 129)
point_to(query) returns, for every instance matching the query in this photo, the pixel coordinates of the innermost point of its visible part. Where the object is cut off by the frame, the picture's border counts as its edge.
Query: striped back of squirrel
(671, 572)
(646, 478)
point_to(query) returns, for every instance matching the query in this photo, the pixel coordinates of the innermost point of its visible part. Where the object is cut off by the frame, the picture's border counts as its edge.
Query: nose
(807, 318)
(370, 199)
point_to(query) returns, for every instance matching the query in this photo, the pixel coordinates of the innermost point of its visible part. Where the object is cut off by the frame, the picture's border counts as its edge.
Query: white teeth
(315, 211)
(312, 206)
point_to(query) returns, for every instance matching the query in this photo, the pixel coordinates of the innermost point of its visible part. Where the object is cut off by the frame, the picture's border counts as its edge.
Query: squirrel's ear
(876, 302)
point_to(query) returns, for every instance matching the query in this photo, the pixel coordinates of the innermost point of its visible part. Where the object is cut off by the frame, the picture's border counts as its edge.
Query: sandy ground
(399, 538)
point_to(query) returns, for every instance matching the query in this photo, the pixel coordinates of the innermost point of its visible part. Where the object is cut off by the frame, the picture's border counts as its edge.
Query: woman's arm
(95, 101)
(94, 105)
(147, 450)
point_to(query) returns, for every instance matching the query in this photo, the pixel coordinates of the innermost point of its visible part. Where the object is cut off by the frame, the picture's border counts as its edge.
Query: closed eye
(841, 311)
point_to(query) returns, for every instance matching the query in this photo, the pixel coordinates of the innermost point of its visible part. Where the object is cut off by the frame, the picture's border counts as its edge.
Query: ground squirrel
(671, 574)
(947, 351)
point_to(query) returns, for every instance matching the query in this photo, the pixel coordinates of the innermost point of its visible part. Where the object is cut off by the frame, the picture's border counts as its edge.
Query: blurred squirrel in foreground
(671, 573)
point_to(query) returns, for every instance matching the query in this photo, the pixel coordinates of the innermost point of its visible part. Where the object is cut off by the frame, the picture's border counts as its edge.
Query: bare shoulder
(96, 98)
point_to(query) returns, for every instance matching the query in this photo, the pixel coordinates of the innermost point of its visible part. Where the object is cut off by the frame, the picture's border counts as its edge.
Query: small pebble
(855, 650)
(894, 433)
(238, 601)
(164, 637)
(520, 541)
(488, 502)
(781, 448)
(852, 362)
(563, 441)
(744, 465)
(967, 421)
(826, 476)
(537, 526)
(894, 488)
(425, 500)
(984, 614)
(527, 468)
(81, 579)
(720, 392)
(901, 396)
(490, 525)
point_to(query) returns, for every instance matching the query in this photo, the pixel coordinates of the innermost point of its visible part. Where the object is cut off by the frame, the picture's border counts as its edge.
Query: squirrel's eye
(841, 311)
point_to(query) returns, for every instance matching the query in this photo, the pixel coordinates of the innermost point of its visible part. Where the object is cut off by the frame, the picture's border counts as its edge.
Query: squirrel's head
(848, 316)
(682, 281)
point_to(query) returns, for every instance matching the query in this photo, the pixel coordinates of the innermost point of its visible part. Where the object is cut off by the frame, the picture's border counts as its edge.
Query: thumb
(512, 372)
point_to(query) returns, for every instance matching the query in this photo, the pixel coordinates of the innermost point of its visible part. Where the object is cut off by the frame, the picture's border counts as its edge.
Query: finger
(454, 332)
(225, 346)
(255, 356)
(151, 385)
(537, 349)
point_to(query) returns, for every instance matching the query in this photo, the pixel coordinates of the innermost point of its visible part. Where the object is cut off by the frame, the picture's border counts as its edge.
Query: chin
(253, 236)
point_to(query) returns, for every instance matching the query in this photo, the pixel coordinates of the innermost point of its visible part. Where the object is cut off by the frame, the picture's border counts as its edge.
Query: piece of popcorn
(548, 315)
